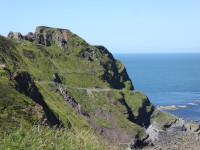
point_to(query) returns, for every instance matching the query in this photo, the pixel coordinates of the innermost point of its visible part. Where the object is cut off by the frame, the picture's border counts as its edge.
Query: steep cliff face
(74, 84)
(27, 87)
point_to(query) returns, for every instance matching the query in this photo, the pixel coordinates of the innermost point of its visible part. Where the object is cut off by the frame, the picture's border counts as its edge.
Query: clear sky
(123, 26)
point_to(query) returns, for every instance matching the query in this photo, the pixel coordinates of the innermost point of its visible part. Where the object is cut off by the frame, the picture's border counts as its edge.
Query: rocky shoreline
(176, 141)
(179, 135)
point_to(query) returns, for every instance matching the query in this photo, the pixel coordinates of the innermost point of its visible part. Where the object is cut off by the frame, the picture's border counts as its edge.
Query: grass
(41, 62)
(15, 108)
(162, 119)
(42, 138)
(62, 109)
(99, 102)
(102, 122)
(136, 101)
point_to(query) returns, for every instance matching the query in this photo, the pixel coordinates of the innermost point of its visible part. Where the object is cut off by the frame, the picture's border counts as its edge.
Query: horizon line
(155, 52)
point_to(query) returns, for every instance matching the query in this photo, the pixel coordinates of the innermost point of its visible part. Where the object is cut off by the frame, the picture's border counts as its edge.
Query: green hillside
(54, 79)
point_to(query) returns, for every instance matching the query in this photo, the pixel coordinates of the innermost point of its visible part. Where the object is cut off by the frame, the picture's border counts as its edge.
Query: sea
(167, 79)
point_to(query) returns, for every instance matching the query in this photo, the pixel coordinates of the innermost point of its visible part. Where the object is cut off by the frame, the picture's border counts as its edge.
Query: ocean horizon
(167, 79)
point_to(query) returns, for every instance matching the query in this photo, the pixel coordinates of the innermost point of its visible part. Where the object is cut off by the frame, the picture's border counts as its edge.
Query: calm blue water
(167, 79)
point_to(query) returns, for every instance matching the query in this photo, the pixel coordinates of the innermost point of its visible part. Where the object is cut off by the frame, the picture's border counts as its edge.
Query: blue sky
(128, 26)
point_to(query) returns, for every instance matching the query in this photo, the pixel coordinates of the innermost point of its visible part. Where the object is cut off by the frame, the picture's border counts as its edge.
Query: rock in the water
(172, 107)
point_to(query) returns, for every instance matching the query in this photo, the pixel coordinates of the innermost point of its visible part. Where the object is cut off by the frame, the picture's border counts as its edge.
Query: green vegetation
(15, 107)
(98, 102)
(162, 119)
(102, 122)
(96, 82)
(62, 108)
(136, 101)
(42, 138)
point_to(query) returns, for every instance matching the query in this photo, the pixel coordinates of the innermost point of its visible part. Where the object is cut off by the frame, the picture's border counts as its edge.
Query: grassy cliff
(54, 78)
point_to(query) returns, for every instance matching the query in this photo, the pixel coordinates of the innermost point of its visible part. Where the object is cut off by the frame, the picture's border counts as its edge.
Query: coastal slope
(55, 78)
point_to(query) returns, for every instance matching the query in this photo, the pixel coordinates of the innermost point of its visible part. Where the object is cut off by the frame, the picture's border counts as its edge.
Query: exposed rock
(30, 37)
(16, 36)
(177, 126)
(39, 38)
(172, 107)
(56, 78)
(64, 33)
(175, 141)
(59, 40)
(58, 37)
(70, 99)
(153, 133)
(87, 54)
(178, 134)
(46, 40)
(104, 50)
(192, 126)
(182, 106)
(114, 133)
(111, 73)
(39, 29)
(191, 103)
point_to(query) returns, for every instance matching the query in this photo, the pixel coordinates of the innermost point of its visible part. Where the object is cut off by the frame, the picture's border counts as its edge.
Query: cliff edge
(54, 78)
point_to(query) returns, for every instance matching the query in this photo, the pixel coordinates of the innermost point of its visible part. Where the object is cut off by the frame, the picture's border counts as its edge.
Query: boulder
(15, 36)
(178, 126)
(192, 126)
(30, 37)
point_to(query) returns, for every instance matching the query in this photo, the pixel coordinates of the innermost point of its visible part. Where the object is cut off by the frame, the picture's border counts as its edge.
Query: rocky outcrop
(105, 51)
(87, 66)
(170, 132)
(177, 126)
(88, 54)
(113, 133)
(192, 126)
(30, 37)
(58, 37)
(56, 78)
(71, 101)
(115, 73)
(175, 141)
(15, 36)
